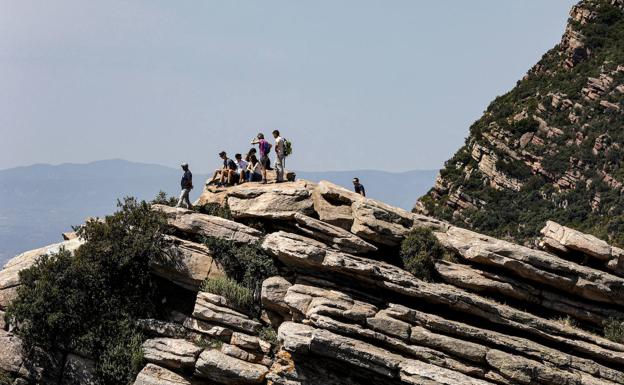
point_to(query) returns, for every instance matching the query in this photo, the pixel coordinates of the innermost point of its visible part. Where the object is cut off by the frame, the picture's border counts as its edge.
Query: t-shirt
(229, 163)
(257, 169)
(242, 165)
(359, 188)
(279, 146)
(263, 145)
(187, 180)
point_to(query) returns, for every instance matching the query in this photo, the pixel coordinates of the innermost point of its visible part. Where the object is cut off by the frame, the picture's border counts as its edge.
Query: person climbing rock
(359, 188)
(187, 185)
(264, 148)
(280, 154)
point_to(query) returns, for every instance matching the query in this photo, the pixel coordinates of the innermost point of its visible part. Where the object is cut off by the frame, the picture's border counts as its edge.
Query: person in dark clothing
(227, 172)
(359, 188)
(187, 185)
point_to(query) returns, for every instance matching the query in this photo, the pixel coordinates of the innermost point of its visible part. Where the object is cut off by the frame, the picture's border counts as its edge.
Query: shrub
(5, 378)
(163, 199)
(236, 294)
(268, 334)
(216, 210)
(418, 252)
(88, 302)
(614, 330)
(247, 264)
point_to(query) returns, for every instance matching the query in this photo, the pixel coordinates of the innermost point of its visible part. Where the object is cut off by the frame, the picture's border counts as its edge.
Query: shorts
(265, 162)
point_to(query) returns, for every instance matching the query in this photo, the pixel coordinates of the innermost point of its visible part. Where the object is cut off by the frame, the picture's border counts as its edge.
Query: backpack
(287, 147)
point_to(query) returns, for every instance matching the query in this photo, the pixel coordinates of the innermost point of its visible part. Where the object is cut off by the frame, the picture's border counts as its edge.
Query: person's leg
(279, 169)
(187, 192)
(181, 199)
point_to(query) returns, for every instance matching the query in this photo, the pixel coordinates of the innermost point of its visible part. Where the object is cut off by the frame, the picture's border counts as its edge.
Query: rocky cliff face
(346, 310)
(552, 147)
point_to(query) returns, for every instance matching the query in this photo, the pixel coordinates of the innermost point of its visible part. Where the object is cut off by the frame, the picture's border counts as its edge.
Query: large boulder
(194, 223)
(217, 366)
(173, 353)
(187, 265)
(271, 201)
(156, 375)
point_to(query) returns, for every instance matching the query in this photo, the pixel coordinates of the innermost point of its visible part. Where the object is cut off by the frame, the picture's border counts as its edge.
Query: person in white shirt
(254, 169)
(241, 168)
(280, 163)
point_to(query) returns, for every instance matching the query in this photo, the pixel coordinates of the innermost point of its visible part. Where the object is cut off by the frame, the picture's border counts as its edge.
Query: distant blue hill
(39, 202)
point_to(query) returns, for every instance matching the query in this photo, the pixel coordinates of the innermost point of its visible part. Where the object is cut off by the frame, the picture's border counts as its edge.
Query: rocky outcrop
(565, 240)
(347, 312)
(192, 223)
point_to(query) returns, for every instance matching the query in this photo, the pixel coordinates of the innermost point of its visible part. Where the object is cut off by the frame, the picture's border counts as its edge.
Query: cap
(184, 165)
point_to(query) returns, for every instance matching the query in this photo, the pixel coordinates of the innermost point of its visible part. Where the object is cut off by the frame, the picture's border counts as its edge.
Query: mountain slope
(552, 147)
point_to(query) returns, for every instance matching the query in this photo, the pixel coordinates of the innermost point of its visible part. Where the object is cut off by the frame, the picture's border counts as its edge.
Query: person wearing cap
(228, 171)
(358, 187)
(187, 185)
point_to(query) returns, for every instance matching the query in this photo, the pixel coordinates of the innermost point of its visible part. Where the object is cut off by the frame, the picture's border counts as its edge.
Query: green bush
(247, 264)
(216, 210)
(87, 302)
(268, 334)
(614, 330)
(236, 294)
(163, 199)
(419, 250)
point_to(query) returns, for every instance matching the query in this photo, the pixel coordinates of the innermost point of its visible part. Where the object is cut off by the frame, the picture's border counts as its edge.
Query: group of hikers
(250, 169)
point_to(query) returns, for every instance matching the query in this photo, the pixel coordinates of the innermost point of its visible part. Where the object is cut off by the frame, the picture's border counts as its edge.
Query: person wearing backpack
(187, 185)
(280, 153)
(264, 148)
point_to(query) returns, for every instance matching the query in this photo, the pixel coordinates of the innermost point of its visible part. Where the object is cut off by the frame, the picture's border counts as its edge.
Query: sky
(353, 84)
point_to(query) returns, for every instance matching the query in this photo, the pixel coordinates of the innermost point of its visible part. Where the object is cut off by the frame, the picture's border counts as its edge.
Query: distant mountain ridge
(39, 202)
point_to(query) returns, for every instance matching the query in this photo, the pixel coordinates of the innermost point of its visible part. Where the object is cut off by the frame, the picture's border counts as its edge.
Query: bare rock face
(223, 369)
(567, 240)
(206, 310)
(207, 225)
(172, 353)
(156, 375)
(333, 235)
(271, 201)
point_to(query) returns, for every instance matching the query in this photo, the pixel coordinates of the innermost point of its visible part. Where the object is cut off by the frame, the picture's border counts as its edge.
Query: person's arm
(255, 141)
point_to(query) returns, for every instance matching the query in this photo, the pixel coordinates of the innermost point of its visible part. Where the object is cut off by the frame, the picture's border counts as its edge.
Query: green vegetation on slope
(88, 302)
(591, 202)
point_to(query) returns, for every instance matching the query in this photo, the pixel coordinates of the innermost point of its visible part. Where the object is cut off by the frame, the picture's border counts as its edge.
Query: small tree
(419, 250)
(88, 302)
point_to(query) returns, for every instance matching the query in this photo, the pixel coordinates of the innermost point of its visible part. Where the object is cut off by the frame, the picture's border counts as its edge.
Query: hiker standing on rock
(359, 188)
(187, 185)
(280, 153)
(264, 148)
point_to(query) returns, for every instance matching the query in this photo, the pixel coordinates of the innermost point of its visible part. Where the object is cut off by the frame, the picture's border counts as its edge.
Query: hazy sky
(389, 85)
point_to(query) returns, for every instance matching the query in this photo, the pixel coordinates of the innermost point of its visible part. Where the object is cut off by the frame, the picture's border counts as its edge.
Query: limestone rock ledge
(346, 312)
